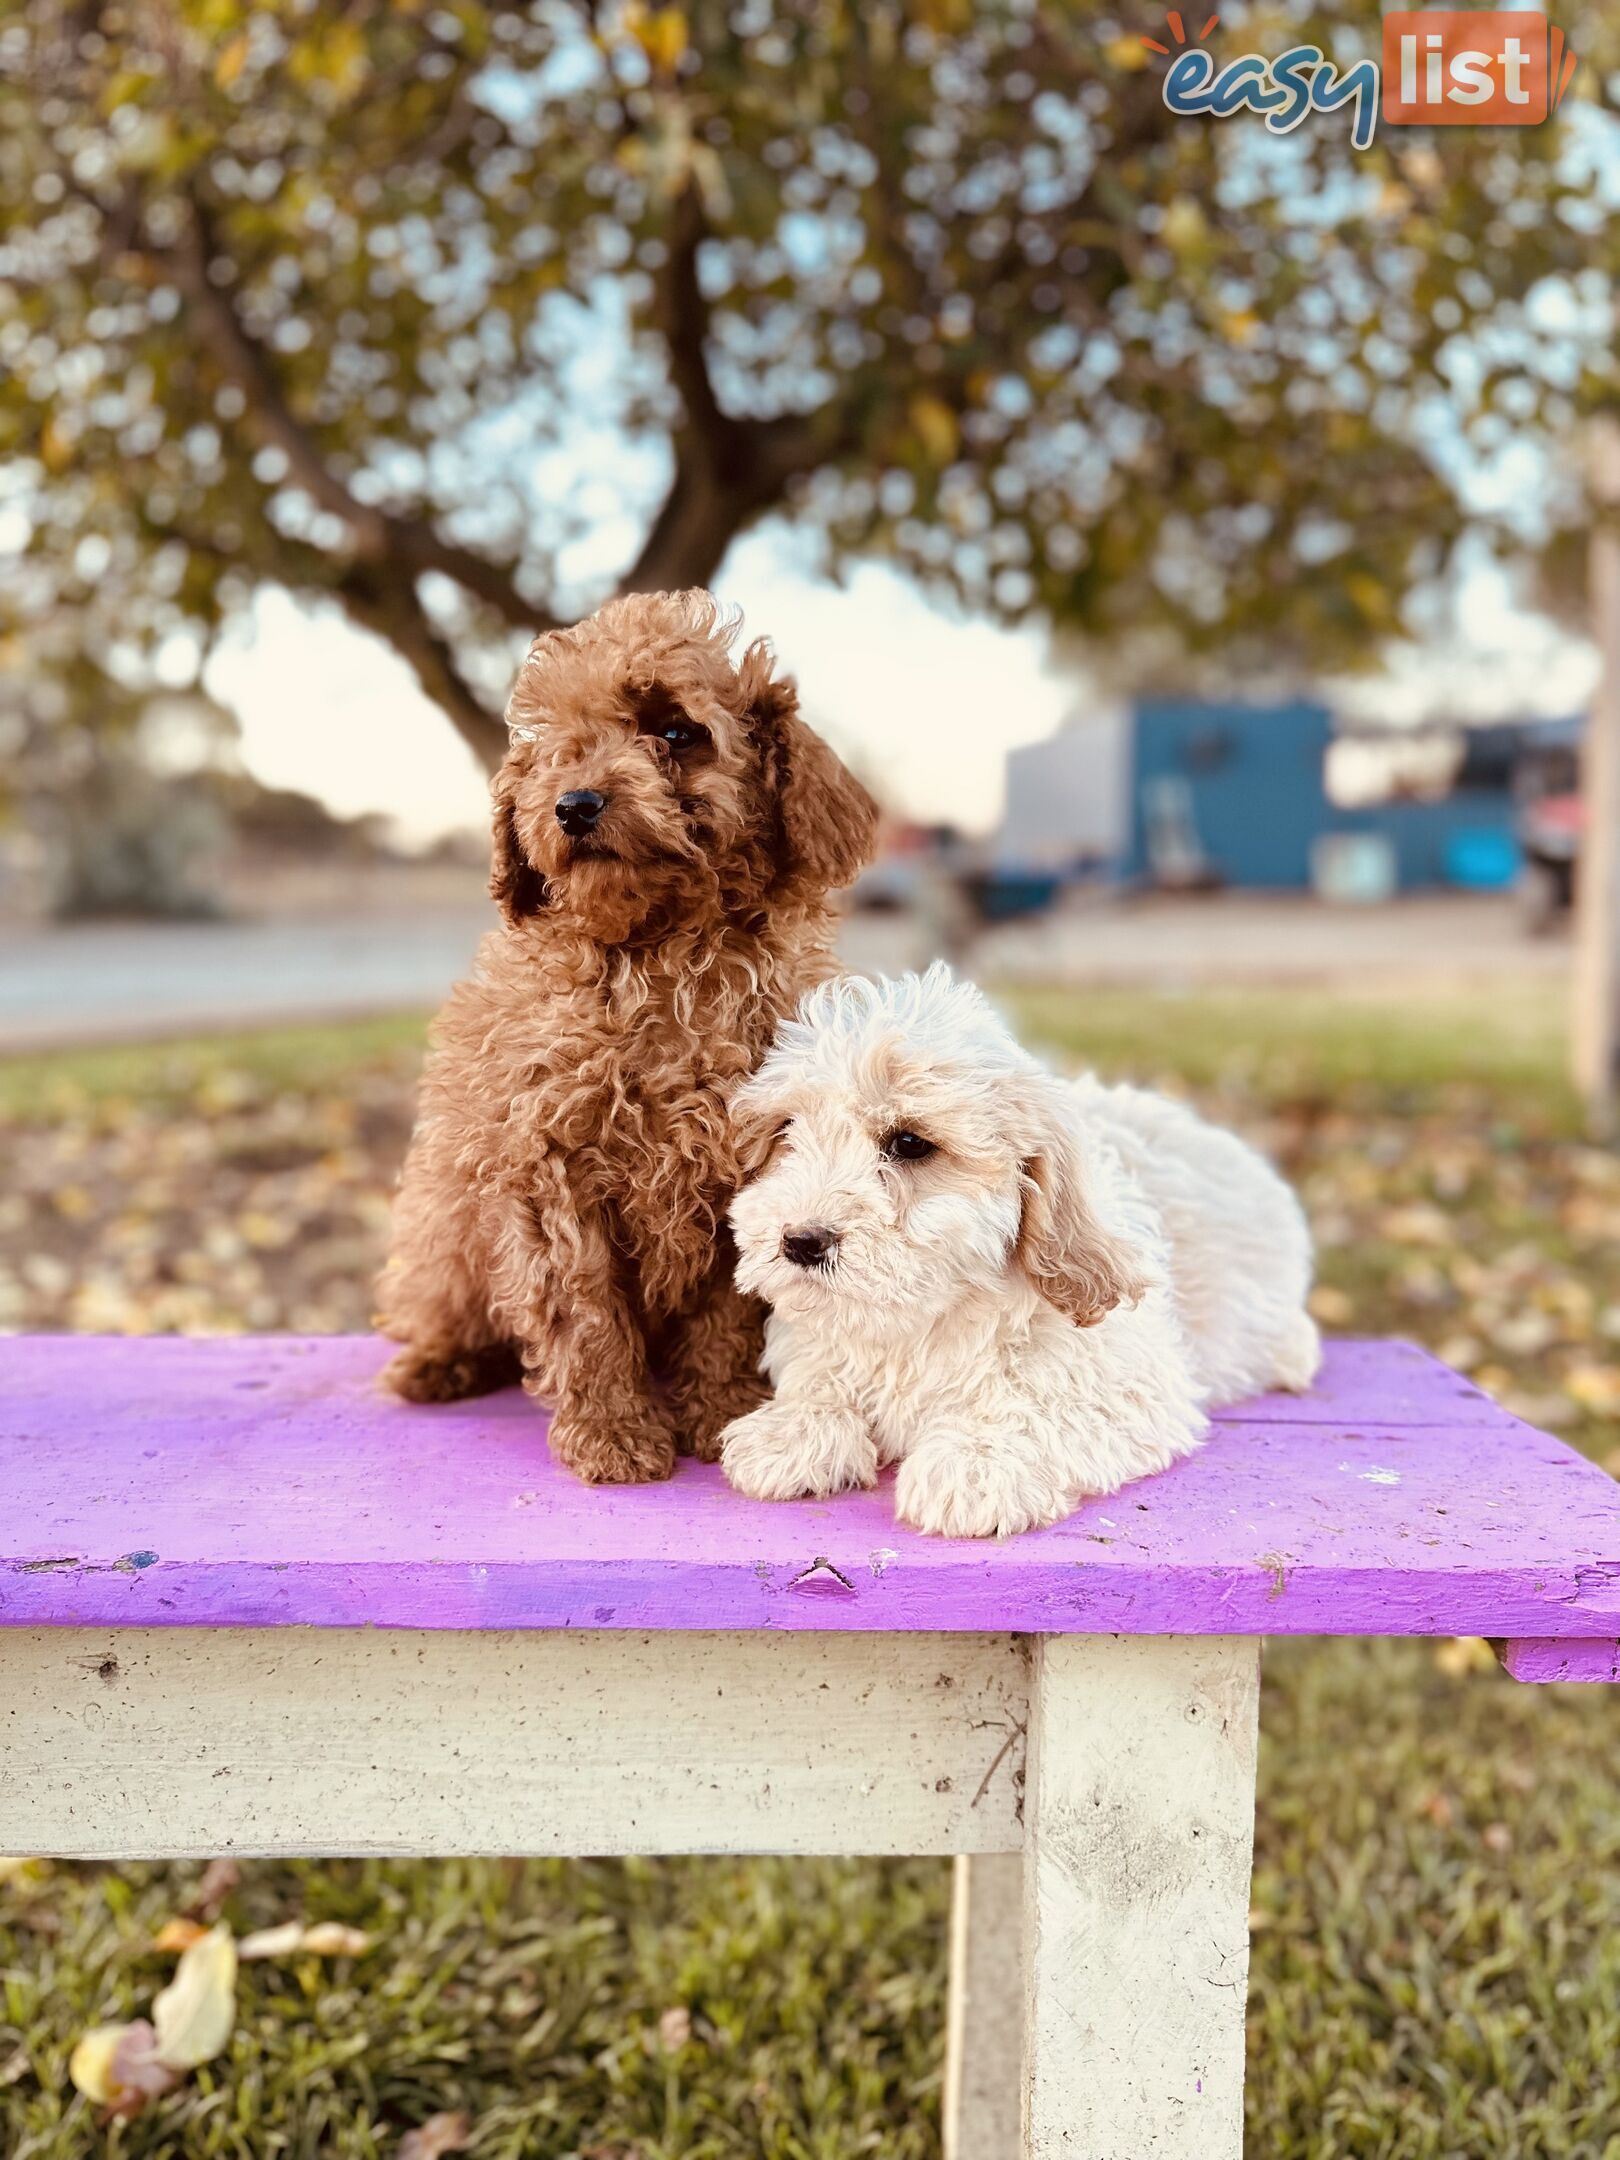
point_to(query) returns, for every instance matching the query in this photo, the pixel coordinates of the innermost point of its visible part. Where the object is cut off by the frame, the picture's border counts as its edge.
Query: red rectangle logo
(1454, 67)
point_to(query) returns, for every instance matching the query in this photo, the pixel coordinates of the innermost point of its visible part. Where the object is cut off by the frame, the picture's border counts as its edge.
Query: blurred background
(1204, 544)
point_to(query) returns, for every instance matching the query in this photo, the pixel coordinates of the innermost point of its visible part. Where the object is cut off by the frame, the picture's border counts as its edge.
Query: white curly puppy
(1022, 1289)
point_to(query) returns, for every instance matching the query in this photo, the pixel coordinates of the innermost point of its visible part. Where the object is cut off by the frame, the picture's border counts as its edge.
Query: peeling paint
(1276, 1567)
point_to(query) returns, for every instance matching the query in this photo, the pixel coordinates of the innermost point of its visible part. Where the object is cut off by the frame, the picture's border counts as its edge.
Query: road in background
(131, 981)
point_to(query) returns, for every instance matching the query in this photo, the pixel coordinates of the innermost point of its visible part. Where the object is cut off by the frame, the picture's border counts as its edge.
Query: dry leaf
(674, 2028)
(118, 2067)
(178, 1935)
(439, 2134)
(274, 1942)
(1465, 1654)
(219, 1879)
(14, 1869)
(327, 1938)
(195, 2012)
(1331, 1306)
(14, 2067)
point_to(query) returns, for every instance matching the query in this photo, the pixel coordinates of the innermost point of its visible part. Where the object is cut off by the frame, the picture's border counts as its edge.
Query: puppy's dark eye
(658, 712)
(672, 729)
(679, 734)
(908, 1147)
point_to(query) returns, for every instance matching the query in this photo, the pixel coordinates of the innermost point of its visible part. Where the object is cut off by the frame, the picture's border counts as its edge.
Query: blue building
(1225, 793)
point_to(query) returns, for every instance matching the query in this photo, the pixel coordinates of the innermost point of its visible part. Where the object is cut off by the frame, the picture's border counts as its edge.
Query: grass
(167, 1074)
(1292, 1047)
(1437, 1895)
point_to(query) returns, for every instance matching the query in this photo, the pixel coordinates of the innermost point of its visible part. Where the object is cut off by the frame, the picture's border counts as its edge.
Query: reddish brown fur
(561, 1207)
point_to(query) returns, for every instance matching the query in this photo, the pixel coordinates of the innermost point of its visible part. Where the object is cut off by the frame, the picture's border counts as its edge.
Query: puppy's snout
(809, 1245)
(578, 810)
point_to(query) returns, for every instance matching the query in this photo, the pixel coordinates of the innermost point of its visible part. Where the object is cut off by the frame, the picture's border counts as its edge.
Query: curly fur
(1039, 1310)
(561, 1209)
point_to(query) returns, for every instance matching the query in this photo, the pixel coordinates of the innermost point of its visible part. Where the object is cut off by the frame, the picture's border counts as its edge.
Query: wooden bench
(249, 1605)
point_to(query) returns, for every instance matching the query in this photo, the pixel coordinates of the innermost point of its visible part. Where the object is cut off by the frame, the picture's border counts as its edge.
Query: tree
(312, 293)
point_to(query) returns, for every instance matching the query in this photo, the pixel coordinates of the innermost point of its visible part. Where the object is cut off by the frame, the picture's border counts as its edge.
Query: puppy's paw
(430, 1376)
(956, 1485)
(702, 1419)
(790, 1451)
(637, 1448)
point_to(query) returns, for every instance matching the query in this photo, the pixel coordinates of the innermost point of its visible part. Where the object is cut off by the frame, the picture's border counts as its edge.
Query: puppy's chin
(608, 896)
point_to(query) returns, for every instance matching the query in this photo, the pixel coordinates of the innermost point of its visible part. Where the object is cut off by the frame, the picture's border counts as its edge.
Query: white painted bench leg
(1139, 1827)
(984, 2037)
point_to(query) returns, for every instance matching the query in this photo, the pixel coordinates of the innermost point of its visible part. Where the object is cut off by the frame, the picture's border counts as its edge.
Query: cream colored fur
(1039, 1311)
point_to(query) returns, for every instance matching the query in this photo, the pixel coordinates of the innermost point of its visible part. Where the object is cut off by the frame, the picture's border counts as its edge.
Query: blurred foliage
(410, 305)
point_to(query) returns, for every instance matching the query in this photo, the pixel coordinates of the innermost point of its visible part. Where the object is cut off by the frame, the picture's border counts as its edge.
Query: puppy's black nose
(809, 1246)
(579, 809)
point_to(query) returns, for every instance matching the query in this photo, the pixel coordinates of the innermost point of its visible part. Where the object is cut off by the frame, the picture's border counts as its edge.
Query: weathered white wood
(984, 2035)
(1139, 1807)
(159, 1742)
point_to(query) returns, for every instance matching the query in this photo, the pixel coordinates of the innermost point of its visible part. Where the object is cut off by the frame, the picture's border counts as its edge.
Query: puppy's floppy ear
(757, 1117)
(826, 821)
(516, 887)
(1076, 1265)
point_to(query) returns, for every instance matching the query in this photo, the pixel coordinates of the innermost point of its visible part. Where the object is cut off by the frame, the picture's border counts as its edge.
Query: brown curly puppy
(667, 831)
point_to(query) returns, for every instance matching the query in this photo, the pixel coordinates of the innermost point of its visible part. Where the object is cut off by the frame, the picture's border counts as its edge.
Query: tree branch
(393, 611)
(407, 545)
(727, 470)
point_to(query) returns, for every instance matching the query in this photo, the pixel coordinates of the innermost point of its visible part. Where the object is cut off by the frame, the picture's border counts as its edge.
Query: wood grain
(161, 1743)
(1136, 1925)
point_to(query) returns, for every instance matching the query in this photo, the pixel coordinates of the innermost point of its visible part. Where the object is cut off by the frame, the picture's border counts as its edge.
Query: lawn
(1437, 1898)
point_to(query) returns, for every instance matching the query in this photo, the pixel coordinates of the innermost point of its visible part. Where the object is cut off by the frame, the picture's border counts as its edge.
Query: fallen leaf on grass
(1595, 1388)
(1462, 1654)
(439, 2134)
(273, 1942)
(674, 2029)
(327, 1938)
(13, 2067)
(178, 1935)
(219, 1879)
(121, 2067)
(195, 2012)
(117, 2066)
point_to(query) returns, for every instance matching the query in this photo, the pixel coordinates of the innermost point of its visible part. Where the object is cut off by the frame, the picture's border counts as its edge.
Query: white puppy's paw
(788, 1451)
(956, 1485)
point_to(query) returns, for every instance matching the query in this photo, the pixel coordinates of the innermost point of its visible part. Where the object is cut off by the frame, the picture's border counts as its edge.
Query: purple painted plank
(1542, 1659)
(267, 1480)
(1378, 1383)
